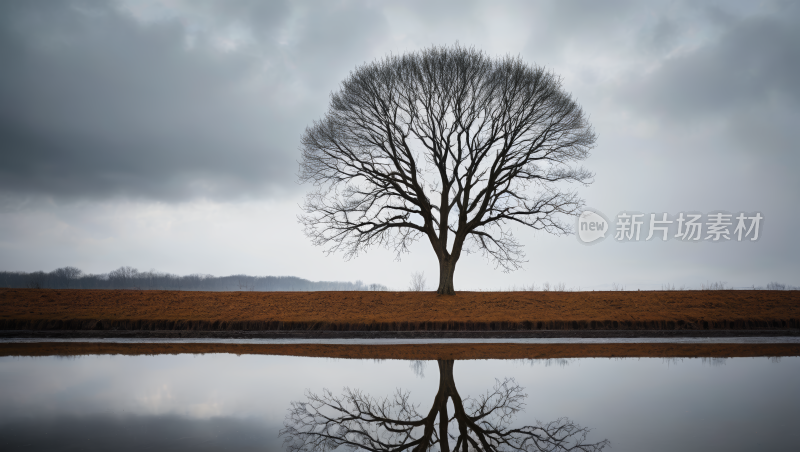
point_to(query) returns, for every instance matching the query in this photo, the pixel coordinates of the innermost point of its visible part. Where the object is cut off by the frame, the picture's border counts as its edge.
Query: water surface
(230, 402)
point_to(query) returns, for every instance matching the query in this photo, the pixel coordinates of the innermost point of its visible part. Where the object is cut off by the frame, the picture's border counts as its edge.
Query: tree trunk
(447, 267)
(447, 384)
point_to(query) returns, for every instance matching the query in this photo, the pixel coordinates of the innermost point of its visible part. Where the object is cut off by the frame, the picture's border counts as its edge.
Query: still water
(229, 402)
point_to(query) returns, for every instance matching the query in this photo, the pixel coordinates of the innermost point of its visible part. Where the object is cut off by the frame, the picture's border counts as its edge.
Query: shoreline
(327, 334)
(409, 351)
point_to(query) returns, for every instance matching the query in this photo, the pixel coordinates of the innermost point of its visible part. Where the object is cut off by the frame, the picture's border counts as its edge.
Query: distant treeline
(131, 278)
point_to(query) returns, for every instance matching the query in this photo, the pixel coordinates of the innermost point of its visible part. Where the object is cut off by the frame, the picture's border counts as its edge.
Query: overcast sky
(165, 134)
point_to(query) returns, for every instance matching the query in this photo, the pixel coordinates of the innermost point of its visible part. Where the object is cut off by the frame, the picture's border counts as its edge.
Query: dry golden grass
(75, 309)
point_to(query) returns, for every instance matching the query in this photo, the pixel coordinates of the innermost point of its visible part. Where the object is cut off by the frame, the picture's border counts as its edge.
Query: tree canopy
(448, 144)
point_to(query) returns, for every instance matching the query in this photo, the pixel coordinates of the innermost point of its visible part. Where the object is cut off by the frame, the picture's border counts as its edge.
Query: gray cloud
(755, 62)
(96, 104)
(738, 87)
(208, 99)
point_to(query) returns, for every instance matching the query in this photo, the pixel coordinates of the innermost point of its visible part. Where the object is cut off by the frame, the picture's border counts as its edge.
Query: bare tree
(358, 421)
(776, 286)
(123, 277)
(67, 275)
(446, 144)
(418, 282)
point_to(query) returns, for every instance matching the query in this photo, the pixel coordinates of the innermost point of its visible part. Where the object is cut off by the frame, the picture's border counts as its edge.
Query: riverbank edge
(457, 351)
(401, 326)
(327, 334)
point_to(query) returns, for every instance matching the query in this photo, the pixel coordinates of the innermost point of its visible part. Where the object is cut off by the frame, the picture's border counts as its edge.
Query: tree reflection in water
(356, 420)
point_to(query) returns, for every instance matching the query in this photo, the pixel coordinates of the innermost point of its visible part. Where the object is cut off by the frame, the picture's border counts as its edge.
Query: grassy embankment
(399, 311)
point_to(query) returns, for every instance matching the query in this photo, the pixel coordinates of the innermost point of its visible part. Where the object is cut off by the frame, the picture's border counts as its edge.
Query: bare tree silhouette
(446, 144)
(418, 282)
(356, 420)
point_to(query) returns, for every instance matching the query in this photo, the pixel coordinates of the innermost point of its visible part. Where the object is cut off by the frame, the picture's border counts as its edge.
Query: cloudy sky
(165, 134)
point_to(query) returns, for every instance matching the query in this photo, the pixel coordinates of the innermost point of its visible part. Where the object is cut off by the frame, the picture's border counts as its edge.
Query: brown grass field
(396, 311)
(413, 352)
